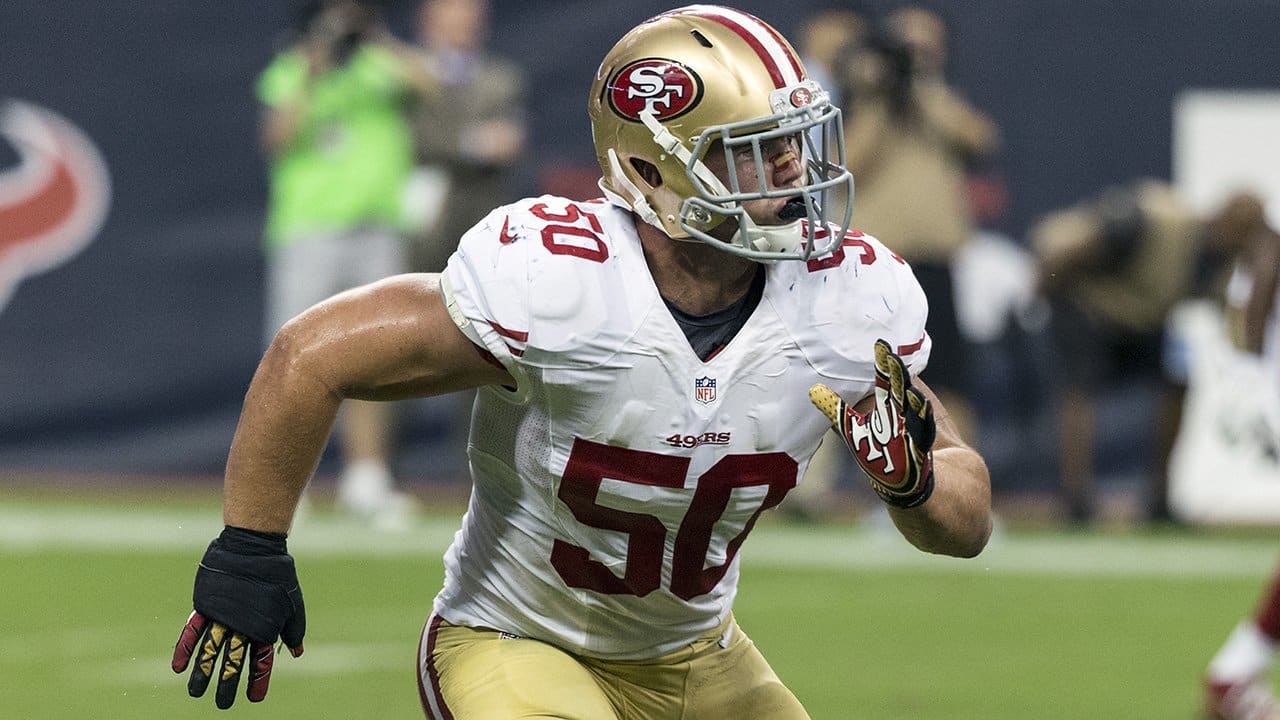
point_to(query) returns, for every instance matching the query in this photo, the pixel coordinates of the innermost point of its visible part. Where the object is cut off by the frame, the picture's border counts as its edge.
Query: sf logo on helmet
(664, 87)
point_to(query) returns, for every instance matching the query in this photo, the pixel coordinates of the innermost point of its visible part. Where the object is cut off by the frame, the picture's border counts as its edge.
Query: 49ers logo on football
(664, 87)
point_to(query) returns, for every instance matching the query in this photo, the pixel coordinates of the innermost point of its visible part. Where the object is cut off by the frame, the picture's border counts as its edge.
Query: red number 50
(589, 463)
(564, 225)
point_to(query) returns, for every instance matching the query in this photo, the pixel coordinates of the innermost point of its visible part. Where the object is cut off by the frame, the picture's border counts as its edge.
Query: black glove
(246, 595)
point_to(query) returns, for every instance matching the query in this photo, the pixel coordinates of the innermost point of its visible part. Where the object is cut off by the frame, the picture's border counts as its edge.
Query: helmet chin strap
(767, 238)
(636, 201)
(671, 144)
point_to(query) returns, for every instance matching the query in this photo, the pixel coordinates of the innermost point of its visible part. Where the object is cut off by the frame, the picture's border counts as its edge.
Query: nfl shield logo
(704, 390)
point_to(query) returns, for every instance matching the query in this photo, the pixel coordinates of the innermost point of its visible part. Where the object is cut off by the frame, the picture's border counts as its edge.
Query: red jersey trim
(908, 349)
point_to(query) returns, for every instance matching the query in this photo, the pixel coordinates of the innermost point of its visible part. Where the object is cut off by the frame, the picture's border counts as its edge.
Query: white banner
(1225, 466)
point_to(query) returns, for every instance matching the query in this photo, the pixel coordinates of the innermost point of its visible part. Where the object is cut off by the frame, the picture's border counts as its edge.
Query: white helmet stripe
(779, 59)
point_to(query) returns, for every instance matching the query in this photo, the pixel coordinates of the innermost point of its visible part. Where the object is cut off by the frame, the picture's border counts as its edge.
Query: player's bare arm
(388, 340)
(956, 520)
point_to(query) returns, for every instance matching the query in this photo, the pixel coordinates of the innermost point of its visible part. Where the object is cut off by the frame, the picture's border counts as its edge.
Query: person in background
(1225, 244)
(654, 370)
(825, 36)
(910, 140)
(1111, 268)
(1004, 324)
(337, 140)
(1238, 682)
(469, 134)
(1253, 320)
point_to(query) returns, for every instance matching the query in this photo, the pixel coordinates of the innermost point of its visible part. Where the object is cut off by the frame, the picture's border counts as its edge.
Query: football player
(1238, 683)
(648, 366)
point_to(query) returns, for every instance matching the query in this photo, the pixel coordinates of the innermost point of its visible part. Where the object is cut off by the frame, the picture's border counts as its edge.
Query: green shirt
(348, 164)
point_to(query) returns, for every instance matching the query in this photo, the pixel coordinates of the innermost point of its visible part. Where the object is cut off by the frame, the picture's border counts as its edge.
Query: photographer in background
(1111, 267)
(469, 135)
(335, 133)
(910, 141)
(1238, 682)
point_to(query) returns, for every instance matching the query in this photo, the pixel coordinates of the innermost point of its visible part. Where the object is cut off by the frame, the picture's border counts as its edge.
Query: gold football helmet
(683, 80)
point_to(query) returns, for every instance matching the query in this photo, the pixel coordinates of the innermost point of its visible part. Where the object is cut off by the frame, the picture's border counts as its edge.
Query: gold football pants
(479, 674)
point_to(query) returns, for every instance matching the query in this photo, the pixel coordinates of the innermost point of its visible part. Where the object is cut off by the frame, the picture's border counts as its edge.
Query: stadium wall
(129, 350)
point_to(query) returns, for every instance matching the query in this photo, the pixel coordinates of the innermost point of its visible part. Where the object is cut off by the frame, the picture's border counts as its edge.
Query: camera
(880, 64)
(340, 27)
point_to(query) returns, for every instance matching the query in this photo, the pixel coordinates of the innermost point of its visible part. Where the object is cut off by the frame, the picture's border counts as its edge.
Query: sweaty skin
(390, 340)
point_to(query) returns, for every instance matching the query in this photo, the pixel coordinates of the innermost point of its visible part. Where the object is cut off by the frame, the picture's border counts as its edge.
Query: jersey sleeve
(540, 288)
(862, 293)
(486, 287)
(907, 307)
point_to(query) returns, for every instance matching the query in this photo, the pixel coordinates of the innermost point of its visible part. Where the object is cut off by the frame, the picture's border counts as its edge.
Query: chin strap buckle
(663, 137)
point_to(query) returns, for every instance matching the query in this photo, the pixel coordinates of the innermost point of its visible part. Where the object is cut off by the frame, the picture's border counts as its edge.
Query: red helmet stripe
(772, 50)
(786, 51)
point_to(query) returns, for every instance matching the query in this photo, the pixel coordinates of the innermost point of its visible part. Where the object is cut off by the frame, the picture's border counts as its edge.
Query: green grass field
(1043, 625)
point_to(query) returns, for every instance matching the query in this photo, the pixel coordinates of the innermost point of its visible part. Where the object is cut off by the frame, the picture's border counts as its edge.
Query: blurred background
(1088, 191)
(134, 291)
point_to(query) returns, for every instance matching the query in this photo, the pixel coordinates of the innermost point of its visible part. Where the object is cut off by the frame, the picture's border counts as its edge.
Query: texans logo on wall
(54, 195)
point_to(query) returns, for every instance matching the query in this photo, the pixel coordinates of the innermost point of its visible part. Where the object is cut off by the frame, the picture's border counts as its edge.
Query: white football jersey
(615, 485)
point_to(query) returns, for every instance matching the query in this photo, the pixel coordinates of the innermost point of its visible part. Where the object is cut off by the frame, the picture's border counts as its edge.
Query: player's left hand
(892, 441)
(246, 595)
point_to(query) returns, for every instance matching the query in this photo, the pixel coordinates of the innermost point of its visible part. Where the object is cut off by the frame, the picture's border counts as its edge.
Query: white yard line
(869, 545)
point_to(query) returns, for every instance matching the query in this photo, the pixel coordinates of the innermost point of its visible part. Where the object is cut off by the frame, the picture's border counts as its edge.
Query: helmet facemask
(817, 127)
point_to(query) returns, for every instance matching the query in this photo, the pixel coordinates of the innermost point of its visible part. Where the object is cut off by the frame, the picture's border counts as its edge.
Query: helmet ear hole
(647, 172)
